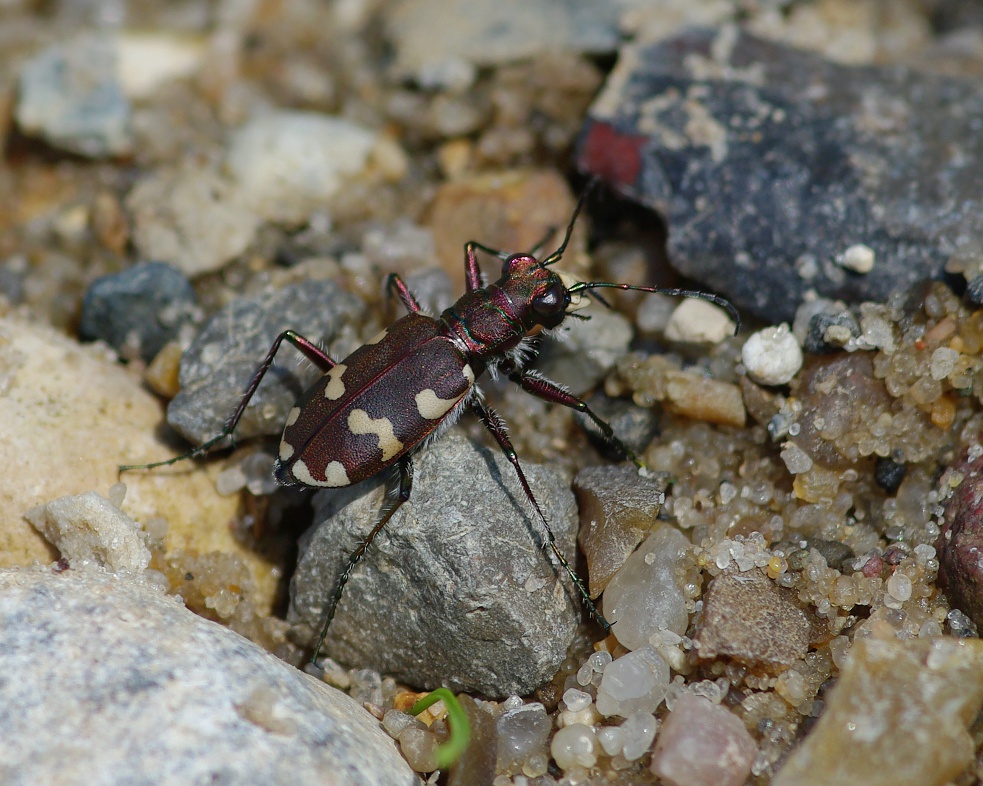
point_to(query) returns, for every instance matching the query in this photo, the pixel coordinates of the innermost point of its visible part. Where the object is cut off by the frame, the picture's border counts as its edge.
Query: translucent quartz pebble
(419, 746)
(644, 596)
(522, 732)
(635, 682)
(637, 733)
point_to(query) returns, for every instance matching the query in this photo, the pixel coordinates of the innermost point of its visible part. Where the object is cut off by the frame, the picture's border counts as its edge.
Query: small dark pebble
(974, 291)
(889, 473)
(835, 553)
(896, 553)
(139, 310)
(635, 426)
(816, 340)
(873, 567)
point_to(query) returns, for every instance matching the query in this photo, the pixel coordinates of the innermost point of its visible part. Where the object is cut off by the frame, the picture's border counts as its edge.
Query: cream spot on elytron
(468, 374)
(334, 474)
(431, 406)
(286, 450)
(359, 422)
(377, 338)
(292, 417)
(335, 388)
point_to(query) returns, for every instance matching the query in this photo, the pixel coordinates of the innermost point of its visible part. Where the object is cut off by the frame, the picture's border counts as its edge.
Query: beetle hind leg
(402, 494)
(496, 426)
(312, 351)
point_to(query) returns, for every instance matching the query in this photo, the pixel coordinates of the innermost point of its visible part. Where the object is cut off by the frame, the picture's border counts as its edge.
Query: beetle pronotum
(411, 382)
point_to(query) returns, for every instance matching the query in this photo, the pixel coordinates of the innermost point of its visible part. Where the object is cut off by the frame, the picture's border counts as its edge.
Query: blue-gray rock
(70, 95)
(770, 163)
(141, 308)
(106, 681)
(231, 345)
(455, 590)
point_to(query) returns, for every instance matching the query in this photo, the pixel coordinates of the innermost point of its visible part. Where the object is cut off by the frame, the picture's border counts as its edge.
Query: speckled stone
(751, 619)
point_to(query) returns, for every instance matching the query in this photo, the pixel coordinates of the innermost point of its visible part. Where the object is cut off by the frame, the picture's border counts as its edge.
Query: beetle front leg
(547, 390)
(402, 495)
(396, 284)
(315, 354)
(497, 427)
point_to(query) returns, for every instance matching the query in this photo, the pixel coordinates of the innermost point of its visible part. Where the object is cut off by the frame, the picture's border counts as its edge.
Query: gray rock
(439, 42)
(288, 164)
(770, 163)
(192, 217)
(107, 682)
(228, 350)
(71, 96)
(455, 590)
(138, 310)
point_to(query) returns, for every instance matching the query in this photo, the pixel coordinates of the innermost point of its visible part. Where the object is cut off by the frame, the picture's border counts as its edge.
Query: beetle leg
(496, 426)
(405, 466)
(315, 354)
(550, 391)
(395, 283)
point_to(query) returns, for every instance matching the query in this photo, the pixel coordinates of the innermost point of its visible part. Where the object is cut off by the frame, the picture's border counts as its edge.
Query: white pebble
(611, 739)
(772, 356)
(576, 700)
(574, 746)
(602, 658)
(899, 587)
(699, 322)
(943, 362)
(858, 258)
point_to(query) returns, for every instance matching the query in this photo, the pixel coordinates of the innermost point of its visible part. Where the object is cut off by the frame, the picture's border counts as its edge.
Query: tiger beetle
(411, 382)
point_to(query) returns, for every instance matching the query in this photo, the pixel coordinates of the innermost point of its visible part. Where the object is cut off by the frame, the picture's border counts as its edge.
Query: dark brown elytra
(379, 405)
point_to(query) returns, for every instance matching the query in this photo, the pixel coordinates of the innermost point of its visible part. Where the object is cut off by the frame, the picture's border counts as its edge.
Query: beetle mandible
(412, 381)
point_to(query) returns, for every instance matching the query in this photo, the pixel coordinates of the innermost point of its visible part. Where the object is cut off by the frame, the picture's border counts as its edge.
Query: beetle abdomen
(374, 406)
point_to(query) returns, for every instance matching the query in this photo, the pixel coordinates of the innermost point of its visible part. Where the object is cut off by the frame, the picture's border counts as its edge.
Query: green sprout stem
(460, 729)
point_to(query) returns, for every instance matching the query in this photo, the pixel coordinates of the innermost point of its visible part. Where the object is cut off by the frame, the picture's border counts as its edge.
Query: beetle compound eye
(553, 301)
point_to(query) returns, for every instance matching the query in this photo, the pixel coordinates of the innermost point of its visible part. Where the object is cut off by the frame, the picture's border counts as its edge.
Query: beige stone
(898, 716)
(71, 415)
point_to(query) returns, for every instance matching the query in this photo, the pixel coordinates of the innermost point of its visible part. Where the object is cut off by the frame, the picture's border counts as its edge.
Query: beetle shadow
(534, 526)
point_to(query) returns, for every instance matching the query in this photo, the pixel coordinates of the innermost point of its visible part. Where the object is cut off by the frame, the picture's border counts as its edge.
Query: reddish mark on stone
(61, 565)
(611, 155)
(919, 344)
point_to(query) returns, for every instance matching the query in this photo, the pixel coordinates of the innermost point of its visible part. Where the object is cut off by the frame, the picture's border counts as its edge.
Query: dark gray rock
(455, 590)
(108, 681)
(139, 309)
(769, 163)
(228, 350)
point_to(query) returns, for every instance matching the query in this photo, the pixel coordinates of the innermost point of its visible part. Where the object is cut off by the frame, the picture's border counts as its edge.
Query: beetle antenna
(585, 286)
(555, 256)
